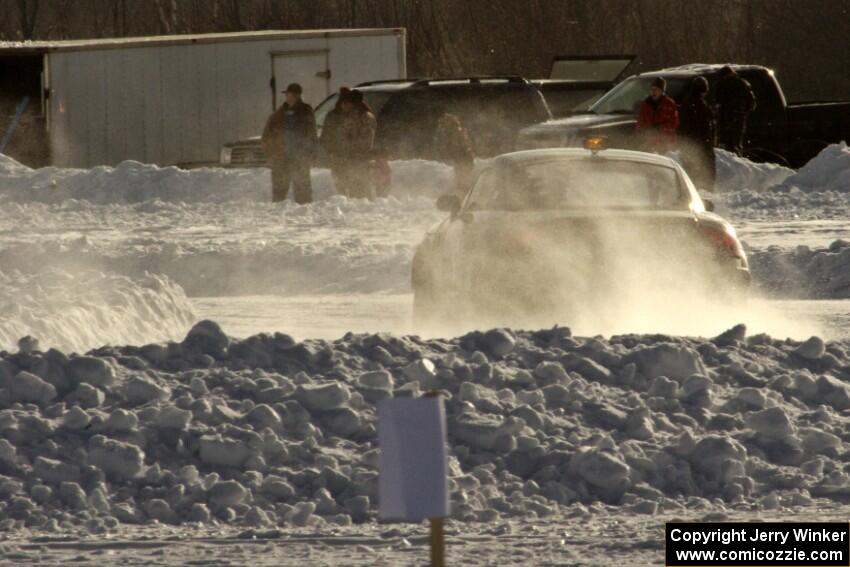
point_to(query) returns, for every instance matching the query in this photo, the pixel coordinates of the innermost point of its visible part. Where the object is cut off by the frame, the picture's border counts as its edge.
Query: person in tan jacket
(332, 140)
(353, 142)
(289, 140)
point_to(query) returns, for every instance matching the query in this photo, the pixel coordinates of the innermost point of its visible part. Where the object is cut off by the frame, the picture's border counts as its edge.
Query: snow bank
(735, 173)
(76, 311)
(829, 171)
(820, 189)
(336, 245)
(803, 272)
(133, 182)
(267, 431)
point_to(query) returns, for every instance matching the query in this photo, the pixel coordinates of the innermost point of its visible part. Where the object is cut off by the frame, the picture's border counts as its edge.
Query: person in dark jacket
(658, 118)
(332, 141)
(289, 140)
(453, 141)
(356, 146)
(698, 135)
(735, 101)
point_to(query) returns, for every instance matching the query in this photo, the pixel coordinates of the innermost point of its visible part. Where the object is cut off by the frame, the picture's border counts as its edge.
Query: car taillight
(723, 241)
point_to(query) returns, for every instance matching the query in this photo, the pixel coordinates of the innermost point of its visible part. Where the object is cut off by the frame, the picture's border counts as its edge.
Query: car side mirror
(709, 205)
(448, 203)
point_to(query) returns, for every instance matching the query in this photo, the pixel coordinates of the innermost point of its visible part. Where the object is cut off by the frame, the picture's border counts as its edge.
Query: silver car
(543, 234)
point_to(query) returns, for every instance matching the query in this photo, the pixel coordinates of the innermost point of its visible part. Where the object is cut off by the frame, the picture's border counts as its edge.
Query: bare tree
(28, 15)
(450, 37)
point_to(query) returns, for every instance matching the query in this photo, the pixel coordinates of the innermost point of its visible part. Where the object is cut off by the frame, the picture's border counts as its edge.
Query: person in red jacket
(658, 119)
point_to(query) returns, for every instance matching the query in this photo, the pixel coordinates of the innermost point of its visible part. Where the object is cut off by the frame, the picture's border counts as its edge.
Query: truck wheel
(804, 150)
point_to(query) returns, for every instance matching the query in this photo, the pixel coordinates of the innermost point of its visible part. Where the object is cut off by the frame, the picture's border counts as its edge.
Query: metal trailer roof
(38, 47)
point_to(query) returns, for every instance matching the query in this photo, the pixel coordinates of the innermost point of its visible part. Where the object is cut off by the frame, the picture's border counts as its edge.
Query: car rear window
(580, 184)
(491, 114)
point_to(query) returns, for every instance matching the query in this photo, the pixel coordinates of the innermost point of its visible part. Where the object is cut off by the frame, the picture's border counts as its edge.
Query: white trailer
(176, 99)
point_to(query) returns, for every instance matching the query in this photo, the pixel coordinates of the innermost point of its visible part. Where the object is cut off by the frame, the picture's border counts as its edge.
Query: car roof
(529, 156)
(385, 86)
(702, 69)
(507, 81)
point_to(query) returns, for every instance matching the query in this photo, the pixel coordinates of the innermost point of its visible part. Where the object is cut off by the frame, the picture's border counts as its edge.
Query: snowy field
(564, 449)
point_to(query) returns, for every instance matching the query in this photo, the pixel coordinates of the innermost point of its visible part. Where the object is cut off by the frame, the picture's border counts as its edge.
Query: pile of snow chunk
(271, 431)
(803, 272)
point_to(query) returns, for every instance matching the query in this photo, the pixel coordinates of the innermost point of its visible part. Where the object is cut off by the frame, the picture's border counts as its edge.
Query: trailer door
(308, 68)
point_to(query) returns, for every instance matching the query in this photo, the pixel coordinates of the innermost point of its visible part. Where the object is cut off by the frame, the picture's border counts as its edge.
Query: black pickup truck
(776, 131)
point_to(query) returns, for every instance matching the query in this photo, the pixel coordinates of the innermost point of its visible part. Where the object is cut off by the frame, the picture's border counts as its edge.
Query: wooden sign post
(413, 479)
(438, 543)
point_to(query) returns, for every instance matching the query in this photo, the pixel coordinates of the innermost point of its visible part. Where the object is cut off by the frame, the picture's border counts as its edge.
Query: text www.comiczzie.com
(764, 544)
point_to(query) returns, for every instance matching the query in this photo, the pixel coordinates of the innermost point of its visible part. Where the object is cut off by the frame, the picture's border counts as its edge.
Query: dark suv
(492, 109)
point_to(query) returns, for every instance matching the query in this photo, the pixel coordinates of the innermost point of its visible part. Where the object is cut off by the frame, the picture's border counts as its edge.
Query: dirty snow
(268, 433)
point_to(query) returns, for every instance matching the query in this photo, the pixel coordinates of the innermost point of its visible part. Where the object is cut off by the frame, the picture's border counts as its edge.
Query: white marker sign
(413, 482)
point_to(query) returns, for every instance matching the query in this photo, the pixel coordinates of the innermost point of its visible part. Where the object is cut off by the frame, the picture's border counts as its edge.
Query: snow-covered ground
(276, 431)
(212, 233)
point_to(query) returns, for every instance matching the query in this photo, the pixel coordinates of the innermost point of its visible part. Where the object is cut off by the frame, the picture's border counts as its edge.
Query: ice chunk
(206, 337)
(300, 515)
(172, 417)
(277, 487)
(605, 471)
(816, 441)
(227, 493)
(27, 345)
(673, 361)
(159, 509)
(76, 419)
(771, 422)
(73, 495)
(140, 391)
(120, 460)
(7, 451)
(199, 513)
(265, 416)
(711, 451)
(422, 371)
(322, 397)
(380, 379)
(26, 387)
(92, 370)
(122, 420)
(833, 392)
(811, 349)
(87, 396)
(55, 472)
(224, 451)
(498, 342)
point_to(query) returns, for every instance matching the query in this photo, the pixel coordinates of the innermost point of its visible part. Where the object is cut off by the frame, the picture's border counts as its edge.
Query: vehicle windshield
(565, 103)
(626, 97)
(375, 99)
(582, 184)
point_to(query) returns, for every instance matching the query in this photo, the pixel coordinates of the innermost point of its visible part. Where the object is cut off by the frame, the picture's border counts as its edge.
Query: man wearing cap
(289, 140)
(658, 118)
